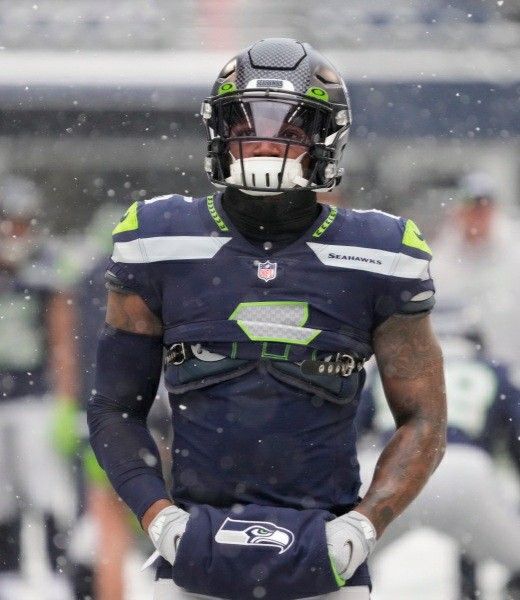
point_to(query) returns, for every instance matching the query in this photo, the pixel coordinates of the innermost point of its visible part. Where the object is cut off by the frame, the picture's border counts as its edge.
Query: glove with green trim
(350, 539)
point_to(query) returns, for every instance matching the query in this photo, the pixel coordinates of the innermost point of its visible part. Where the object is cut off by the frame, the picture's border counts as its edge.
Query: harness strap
(180, 351)
(340, 364)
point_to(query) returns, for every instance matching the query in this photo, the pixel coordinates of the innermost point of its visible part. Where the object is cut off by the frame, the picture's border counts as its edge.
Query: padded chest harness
(340, 364)
(274, 337)
(334, 377)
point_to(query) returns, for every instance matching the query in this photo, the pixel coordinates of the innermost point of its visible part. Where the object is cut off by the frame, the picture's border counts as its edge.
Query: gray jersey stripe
(393, 264)
(179, 247)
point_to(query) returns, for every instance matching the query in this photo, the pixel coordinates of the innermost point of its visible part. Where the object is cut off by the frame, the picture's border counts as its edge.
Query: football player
(36, 369)
(267, 305)
(476, 258)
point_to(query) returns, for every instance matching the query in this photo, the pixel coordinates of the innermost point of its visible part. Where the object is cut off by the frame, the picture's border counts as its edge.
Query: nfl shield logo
(267, 270)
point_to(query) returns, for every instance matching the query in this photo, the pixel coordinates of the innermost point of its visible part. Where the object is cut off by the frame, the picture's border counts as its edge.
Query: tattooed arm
(410, 363)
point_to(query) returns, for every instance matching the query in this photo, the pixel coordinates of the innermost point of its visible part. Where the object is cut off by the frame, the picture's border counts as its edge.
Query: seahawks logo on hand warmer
(254, 533)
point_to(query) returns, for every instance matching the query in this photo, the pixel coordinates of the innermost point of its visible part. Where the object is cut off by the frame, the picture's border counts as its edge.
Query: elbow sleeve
(128, 369)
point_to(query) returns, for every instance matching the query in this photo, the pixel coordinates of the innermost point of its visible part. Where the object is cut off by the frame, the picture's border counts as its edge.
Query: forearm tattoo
(410, 363)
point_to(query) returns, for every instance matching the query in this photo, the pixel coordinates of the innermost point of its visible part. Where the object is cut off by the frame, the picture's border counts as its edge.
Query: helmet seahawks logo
(283, 84)
(254, 533)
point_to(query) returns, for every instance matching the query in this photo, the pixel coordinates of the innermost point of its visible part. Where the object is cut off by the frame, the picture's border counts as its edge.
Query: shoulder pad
(376, 213)
(379, 229)
(393, 232)
(413, 238)
(163, 229)
(129, 221)
(154, 217)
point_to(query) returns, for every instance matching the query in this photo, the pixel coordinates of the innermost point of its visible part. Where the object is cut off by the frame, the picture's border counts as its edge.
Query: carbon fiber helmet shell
(285, 71)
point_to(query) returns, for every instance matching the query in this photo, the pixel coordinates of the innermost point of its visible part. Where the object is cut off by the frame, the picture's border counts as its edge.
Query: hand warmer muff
(256, 551)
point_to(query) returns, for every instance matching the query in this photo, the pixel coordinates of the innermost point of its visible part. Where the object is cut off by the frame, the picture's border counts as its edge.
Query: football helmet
(277, 120)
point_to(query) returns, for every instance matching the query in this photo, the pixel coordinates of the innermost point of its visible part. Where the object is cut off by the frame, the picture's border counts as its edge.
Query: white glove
(166, 531)
(350, 539)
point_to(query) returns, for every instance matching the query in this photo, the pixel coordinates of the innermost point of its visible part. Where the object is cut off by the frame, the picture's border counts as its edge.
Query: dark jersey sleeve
(408, 287)
(129, 269)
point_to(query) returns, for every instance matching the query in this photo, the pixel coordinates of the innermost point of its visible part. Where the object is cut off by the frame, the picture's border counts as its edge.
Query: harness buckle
(348, 364)
(176, 354)
(341, 364)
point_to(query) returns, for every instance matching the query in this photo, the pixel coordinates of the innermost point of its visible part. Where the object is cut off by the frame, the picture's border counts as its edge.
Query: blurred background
(99, 107)
(102, 103)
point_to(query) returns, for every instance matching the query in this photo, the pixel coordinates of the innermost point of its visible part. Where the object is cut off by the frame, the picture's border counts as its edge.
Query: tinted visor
(292, 121)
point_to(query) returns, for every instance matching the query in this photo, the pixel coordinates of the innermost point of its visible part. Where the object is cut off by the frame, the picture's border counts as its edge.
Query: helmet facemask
(268, 142)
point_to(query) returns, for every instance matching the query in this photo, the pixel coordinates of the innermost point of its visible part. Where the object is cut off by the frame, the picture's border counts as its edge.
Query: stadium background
(100, 104)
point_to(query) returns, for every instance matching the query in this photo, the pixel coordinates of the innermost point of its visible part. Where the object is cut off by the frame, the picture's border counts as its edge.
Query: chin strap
(264, 172)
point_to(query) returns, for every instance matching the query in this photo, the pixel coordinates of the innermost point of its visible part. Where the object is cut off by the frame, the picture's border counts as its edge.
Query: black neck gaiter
(279, 220)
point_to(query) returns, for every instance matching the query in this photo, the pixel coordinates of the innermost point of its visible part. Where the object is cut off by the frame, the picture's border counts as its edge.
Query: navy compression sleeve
(128, 369)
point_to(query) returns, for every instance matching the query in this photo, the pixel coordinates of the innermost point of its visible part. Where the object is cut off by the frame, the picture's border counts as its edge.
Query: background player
(477, 259)
(462, 500)
(37, 370)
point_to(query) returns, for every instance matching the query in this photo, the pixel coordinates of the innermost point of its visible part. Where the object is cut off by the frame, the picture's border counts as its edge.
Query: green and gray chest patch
(275, 322)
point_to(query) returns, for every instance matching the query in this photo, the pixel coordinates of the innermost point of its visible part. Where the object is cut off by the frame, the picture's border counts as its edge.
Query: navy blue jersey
(24, 353)
(483, 404)
(248, 426)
